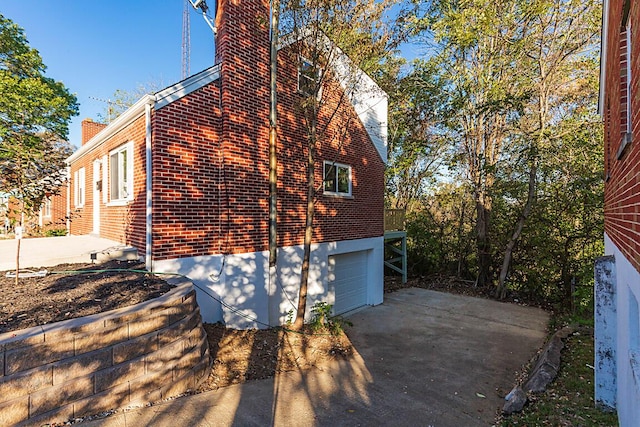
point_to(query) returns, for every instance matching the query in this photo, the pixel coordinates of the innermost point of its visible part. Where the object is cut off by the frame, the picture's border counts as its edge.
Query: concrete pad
(50, 251)
(423, 358)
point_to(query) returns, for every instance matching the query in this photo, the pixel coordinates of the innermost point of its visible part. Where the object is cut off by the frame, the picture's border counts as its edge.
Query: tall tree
(417, 151)
(34, 114)
(557, 38)
(321, 30)
(477, 57)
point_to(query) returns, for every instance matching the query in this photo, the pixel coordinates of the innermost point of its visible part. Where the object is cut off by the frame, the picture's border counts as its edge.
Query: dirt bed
(73, 290)
(238, 356)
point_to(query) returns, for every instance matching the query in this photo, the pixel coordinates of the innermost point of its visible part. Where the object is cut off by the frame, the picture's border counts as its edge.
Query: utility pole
(186, 41)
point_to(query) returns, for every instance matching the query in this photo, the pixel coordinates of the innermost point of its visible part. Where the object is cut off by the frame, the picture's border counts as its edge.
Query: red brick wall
(622, 188)
(90, 129)
(126, 223)
(57, 220)
(342, 138)
(188, 203)
(210, 159)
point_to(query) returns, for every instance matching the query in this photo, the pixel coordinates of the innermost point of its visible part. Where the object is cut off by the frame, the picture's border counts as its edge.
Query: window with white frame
(121, 173)
(337, 179)
(626, 101)
(308, 76)
(78, 187)
(629, 67)
(46, 208)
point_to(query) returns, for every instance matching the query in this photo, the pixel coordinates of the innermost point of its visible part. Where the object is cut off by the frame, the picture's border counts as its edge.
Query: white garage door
(348, 279)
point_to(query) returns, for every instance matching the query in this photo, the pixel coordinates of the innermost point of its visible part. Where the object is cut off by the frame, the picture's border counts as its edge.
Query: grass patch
(569, 400)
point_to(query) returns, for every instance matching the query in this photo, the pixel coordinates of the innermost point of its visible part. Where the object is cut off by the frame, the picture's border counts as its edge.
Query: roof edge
(604, 38)
(132, 113)
(174, 92)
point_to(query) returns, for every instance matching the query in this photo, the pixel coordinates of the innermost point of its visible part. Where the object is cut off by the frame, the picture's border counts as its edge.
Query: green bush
(55, 232)
(322, 319)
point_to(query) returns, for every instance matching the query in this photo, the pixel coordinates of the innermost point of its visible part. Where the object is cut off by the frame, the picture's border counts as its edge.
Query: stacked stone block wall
(134, 355)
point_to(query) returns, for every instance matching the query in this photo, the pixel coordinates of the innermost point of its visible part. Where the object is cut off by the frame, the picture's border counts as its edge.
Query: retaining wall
(137, 354)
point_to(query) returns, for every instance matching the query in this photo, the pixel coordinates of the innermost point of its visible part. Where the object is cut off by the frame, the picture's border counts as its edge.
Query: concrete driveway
(424, 358)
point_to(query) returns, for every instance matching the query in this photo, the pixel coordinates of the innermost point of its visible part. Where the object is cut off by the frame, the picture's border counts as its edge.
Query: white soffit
(603, 55)
(368, 99)
(186, 86)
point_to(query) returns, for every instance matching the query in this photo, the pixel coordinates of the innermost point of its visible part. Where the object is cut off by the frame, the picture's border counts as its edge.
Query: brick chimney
(242, 51)
(90, 129)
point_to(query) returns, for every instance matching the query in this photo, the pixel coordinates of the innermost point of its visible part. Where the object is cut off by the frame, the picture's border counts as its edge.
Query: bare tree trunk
(460, 226)
(483, 221)
(273, 138)
(501, 290)
(308, 231)
(18, 261)
(274, 311)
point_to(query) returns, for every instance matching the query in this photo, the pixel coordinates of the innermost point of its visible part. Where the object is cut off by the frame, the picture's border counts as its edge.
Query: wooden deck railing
(394, 219)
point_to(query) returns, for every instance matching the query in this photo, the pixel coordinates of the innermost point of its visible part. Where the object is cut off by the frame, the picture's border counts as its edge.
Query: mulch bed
(78, 292)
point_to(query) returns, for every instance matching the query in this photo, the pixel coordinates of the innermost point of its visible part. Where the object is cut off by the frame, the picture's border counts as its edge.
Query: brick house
(618, 273)
(183, 177)
(52, 214)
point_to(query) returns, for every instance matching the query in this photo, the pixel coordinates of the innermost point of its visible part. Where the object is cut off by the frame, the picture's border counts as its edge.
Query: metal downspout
(149, 187)
(68, 201)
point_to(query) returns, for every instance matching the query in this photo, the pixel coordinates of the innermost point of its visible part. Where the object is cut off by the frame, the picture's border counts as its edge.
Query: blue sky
(98, 47)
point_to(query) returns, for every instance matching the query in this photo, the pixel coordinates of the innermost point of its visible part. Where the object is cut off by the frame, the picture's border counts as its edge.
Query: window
(337, 179)
(46, 208)
(121, 173)
(626, 119)
(78, 188)
(308, 77)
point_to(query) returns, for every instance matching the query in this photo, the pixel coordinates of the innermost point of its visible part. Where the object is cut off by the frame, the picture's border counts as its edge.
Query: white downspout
(68, 183)
(149, 187)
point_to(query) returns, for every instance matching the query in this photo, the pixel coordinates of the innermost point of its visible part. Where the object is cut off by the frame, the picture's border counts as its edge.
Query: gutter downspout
(68, 219)
(149, 186)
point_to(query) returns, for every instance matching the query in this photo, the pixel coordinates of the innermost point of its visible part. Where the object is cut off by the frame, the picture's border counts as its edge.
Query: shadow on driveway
(423, 358)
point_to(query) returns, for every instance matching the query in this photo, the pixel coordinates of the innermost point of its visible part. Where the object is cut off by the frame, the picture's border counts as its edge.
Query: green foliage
(439, 235)
(323, 320)
(122, 99)
(569, 400)
(510, 89)
(34, 114)
(55, 232)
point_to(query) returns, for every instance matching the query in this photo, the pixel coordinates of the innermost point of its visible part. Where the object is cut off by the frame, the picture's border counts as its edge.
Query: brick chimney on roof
(90, 129)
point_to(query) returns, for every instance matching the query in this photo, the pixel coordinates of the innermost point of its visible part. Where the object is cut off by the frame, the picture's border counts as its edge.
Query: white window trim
(337, 166)
(128, 147)
(628, 135)
(46, 207)
(301, 61)
(79, 188)
(629, 75)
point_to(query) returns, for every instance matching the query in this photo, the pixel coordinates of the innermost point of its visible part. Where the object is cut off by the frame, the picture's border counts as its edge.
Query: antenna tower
(186, 41)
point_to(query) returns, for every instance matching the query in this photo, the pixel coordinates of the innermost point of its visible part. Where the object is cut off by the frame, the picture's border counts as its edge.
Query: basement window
(337, 179)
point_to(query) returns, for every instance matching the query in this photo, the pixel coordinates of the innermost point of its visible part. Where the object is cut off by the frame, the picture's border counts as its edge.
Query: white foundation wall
(235, 289)
(628, 337)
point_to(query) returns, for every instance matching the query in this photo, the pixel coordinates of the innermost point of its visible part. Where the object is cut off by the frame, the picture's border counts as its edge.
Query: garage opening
(348, 280)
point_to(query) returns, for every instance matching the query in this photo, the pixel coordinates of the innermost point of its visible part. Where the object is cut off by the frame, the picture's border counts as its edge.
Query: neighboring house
(52, 214)
(618, 274)
(183, 177)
